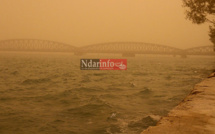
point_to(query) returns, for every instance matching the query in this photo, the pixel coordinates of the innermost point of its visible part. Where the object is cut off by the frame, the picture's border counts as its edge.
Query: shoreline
(194, 115)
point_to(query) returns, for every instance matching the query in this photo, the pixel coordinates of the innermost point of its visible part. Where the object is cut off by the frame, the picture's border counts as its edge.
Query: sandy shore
(194, 115)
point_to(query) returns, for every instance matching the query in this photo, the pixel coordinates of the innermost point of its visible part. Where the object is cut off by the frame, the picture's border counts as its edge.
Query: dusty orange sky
(84, 22)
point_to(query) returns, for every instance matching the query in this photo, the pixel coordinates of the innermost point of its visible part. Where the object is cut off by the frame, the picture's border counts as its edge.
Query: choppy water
(47, 93)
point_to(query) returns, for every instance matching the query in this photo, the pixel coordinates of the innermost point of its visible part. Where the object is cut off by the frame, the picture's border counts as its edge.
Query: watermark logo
(103, 64)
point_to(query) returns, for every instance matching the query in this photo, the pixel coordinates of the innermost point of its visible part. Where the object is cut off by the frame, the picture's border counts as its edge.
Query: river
(47, 93)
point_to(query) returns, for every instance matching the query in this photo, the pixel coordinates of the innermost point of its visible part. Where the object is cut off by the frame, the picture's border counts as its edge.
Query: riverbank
(194, 115)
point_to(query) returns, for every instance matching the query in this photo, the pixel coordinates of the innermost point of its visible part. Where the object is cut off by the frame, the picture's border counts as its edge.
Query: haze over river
(47, 93)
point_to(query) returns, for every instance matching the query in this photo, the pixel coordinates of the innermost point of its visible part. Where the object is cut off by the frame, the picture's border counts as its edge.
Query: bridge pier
(128, 55)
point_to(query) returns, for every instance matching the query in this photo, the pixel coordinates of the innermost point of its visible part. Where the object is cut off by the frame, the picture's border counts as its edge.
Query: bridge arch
(35, 45)
(129, 47)
(201, 50)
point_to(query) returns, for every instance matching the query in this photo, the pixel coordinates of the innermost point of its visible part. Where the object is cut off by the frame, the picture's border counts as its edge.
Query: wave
(146, 91)
(15, 73)
(36, 81)
(88, 110)
(100, 74)
(140, 74)
(143, 123)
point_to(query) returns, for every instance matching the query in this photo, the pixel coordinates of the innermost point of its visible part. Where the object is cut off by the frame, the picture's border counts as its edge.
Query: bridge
(125, 48)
